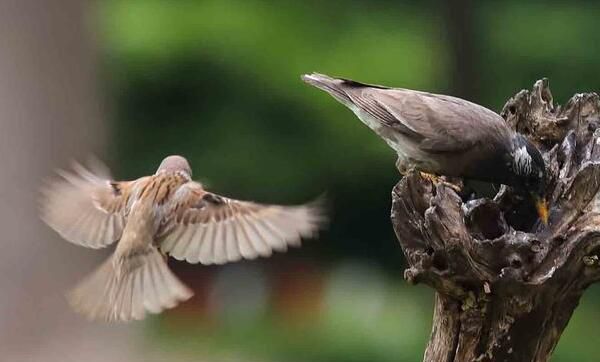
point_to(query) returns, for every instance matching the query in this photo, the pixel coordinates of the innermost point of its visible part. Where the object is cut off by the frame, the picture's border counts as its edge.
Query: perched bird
(443, 135)
(163, 214)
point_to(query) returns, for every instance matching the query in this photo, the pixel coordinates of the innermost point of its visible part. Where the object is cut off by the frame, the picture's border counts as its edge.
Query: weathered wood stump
(506, 285)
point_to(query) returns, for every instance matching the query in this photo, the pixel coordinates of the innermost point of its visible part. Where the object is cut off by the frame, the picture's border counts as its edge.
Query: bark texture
(506, 286)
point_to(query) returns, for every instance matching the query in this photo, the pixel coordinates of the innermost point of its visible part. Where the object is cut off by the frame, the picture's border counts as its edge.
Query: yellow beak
(542, 208)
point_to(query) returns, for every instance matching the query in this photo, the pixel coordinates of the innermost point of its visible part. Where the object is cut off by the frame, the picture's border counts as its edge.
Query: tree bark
(506, 285)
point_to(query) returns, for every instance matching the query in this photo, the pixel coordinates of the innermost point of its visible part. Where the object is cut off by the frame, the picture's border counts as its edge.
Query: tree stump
(506, 285)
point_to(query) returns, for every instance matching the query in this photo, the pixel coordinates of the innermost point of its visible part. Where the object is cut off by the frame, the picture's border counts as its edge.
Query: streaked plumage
(163, 214)
(441, 134)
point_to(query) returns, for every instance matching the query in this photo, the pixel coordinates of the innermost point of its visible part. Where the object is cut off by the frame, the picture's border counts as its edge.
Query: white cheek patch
(523, 162)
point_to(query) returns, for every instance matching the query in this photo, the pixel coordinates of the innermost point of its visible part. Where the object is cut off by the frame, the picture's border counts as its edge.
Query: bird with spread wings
(154, 216)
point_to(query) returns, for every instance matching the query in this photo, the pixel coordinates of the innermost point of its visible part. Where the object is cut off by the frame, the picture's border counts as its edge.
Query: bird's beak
(542, 208)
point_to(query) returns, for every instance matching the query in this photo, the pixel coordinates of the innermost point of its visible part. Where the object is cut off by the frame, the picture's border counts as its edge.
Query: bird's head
(175, 163)
(529, 173)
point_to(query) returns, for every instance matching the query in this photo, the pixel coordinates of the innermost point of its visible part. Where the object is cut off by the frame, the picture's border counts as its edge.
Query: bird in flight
(443, 135)
(154, 216)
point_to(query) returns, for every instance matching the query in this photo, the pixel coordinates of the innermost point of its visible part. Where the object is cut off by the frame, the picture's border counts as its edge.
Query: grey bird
(154, 216)
(443, 135)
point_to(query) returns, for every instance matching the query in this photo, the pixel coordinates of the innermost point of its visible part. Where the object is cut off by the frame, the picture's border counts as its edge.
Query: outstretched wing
(86, 207)
(211, 229)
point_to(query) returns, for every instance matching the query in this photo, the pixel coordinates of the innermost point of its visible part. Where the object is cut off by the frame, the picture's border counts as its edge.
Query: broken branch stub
(506, 287)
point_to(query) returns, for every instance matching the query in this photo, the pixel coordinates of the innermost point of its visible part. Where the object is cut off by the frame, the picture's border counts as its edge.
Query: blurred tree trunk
(49, 113)
(459, 21)
(506, 286)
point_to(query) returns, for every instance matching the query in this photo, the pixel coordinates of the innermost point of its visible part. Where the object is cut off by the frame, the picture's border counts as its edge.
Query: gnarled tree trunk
(506, 286)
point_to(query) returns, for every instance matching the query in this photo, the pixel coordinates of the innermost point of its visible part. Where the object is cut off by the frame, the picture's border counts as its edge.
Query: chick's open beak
(542, 208)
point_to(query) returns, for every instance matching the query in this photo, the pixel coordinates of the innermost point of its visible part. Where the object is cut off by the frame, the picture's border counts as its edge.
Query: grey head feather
(175, 163)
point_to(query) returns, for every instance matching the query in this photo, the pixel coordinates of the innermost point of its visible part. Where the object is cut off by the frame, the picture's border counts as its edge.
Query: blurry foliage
(521, 42)
(381, 320)
(218, 81)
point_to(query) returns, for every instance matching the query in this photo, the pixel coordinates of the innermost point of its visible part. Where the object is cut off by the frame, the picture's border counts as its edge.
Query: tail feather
(340, 88)
(333, 86)
(119, 293)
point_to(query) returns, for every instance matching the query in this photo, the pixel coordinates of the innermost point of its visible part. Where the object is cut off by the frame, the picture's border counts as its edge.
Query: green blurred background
(218, 81)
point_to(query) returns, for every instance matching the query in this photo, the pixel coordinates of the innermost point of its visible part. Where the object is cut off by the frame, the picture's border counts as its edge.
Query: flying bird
(443, 135)
(154, 216)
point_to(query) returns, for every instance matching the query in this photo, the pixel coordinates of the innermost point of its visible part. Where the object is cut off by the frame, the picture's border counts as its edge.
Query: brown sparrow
(154, 216)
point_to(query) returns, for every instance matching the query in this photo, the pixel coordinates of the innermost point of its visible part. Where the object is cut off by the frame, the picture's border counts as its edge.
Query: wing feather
(85, 207)
(256, 245)
(435, 123)
(206, 245)
(212, 229)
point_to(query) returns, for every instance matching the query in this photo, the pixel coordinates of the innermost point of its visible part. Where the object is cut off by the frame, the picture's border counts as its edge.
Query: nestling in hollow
(164, 214)
(444, 135)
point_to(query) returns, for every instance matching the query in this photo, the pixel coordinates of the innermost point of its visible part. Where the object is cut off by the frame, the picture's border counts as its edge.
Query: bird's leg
(405, 168)
(431, 177)
(441, 179)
